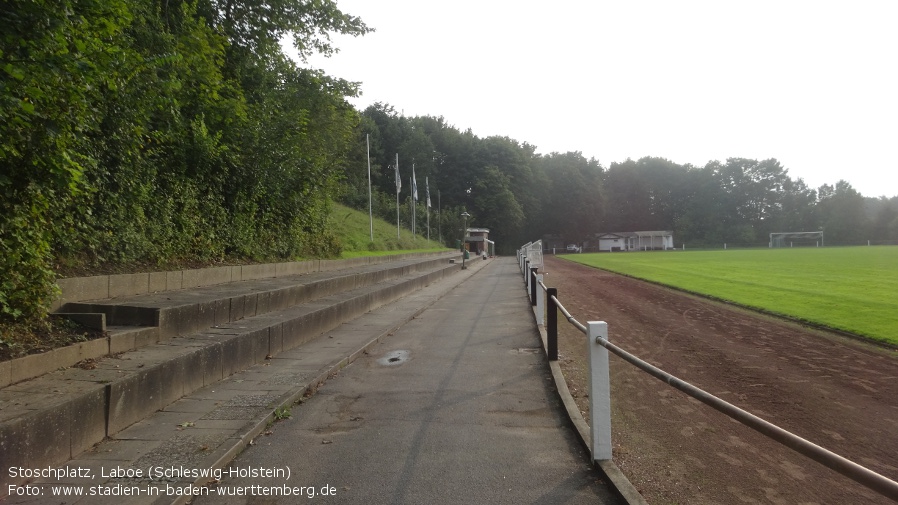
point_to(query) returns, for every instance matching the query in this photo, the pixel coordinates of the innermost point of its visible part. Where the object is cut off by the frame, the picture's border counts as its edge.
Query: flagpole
(370, 206)
(414, 204)
(398, 187)
(427, 190)
(439, 217)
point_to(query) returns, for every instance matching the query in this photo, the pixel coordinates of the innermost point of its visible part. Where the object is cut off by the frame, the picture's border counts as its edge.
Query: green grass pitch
(854, 289)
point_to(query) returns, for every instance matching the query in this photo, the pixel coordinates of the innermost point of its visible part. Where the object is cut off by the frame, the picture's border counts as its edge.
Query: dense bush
(137, 131)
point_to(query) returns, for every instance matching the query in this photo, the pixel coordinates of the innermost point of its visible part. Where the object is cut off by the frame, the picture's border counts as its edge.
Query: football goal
(800, 238)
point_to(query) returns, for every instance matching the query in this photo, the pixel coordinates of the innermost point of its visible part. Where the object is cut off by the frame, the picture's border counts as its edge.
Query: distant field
(854, 289)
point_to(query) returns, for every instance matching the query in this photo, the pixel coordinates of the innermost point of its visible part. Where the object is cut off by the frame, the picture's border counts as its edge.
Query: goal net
(797, 238)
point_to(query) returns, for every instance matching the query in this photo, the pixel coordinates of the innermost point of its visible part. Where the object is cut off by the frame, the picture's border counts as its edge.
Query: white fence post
(527, 273)
(599, 391)
(540, 301)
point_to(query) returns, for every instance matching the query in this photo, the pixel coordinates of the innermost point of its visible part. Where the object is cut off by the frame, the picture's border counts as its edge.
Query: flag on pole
(427, 189)
(398, 187)
(414, 184)
(398, 179)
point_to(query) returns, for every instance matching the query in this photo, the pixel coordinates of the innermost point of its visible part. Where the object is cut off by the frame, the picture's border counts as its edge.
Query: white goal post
(787, 238)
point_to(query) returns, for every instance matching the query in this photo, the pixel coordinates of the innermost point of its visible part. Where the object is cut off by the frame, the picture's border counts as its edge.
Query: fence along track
(539, 297)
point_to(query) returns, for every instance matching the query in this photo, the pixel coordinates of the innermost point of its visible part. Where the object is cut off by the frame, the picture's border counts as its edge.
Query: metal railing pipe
(569, 317)
(870, 479)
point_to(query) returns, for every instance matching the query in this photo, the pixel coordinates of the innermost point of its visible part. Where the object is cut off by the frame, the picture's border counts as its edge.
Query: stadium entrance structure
(804, 238)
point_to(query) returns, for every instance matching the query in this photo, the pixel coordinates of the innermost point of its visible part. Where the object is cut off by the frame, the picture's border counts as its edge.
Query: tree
(495, 206)
(259, 26)
(797, 208)
(841, 214)
(648, 194)
(754, 193)
(703, 220)
(884, 212)
(573, 201)
(137, 130)
(55, 58)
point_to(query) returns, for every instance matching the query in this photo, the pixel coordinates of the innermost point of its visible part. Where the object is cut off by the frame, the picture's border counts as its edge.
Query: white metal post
(540, 301)
(599, 391)
(527, 276)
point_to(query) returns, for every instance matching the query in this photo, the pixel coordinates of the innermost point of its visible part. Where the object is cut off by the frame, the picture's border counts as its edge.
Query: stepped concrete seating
(162, 346)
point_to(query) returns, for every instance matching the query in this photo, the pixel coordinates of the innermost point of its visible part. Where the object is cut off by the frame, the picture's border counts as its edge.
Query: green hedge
(134, 131)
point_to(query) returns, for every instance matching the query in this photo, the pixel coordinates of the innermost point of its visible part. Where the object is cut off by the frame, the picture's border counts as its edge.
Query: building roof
(634, 234)
(653, 233)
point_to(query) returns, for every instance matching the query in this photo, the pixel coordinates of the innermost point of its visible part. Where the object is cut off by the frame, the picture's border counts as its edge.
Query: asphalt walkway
(444, 396)
(456, 406)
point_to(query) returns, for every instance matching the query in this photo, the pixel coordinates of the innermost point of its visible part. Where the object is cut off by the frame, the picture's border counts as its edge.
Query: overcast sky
(813, 84)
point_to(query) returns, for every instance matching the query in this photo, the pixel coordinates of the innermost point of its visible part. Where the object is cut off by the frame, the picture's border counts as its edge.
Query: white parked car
(573, 248)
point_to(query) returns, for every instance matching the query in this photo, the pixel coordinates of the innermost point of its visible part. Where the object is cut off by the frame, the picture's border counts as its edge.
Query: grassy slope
(353, 231)
(850, 289)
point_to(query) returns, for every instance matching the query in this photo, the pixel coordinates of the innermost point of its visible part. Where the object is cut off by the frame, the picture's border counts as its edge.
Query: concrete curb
(613, 474)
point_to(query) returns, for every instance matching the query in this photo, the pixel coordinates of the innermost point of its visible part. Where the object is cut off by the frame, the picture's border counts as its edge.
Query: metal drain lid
(394, 358)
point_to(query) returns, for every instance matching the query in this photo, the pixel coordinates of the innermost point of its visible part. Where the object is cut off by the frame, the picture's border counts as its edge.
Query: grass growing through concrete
(845, 288)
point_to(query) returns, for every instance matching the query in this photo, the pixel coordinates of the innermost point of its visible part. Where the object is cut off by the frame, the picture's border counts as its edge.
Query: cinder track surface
(839, 393)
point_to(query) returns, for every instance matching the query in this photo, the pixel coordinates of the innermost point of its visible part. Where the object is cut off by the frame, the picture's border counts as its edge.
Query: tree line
(160, 133)
(522, 195)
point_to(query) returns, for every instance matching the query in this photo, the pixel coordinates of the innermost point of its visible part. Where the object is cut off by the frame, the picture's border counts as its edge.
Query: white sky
(813, 84)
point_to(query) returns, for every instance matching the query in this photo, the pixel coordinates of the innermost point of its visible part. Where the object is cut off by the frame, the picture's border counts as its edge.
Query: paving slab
(211, 425)
(453, 404)
(457, 406)
(157, 375)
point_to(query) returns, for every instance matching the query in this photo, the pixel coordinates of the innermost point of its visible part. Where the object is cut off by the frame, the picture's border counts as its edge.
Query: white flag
(414, 184)
(398, 179)
(427, 189)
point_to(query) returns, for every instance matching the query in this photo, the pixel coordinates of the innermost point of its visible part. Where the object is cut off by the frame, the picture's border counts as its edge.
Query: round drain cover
(393, 358)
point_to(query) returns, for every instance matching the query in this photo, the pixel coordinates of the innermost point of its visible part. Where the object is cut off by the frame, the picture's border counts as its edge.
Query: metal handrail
(846, 467)
(569, 317)
(860, 474)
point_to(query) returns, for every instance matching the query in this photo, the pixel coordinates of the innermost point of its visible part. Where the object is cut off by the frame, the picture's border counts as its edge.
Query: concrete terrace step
(183, 312)
(133, 321)
(209, 427)
(49, 419)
